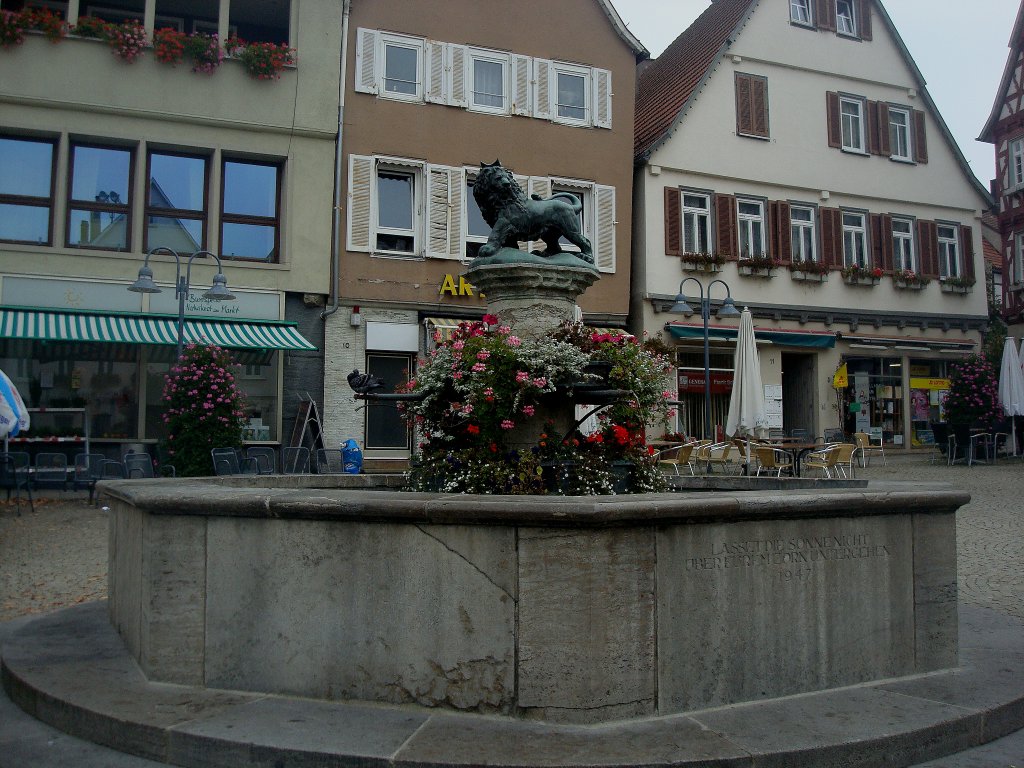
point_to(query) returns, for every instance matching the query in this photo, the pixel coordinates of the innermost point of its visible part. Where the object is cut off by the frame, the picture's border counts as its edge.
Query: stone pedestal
(532, 294)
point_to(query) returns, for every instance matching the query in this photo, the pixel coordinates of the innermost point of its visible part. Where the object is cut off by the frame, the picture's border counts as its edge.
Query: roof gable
(1016, 44)
(668, 83)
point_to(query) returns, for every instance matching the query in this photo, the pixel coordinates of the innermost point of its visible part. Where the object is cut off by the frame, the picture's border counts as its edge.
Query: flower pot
(700, 266)
(810, 277)
(903, 285)
(599, 368)
(754, 271)
(961, 289)
(558, 476)
(861, 280)
(622, 476)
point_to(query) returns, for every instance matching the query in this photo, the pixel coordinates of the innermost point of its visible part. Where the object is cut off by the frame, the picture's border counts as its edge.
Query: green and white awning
(55, 325)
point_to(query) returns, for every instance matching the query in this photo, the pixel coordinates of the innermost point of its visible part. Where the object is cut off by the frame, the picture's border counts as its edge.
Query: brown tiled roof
(990, 253)
(665, 85)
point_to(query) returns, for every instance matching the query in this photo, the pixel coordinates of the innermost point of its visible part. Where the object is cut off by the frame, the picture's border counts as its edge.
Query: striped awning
(781, 336)
(443, 327)
(53, 325)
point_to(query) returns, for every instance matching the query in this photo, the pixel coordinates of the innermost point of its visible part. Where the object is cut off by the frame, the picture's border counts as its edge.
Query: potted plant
(973, 397)
(169, 45)
(908, 279)
(127, 40)
(814, 271)
(263, 61)
(855, 274)
(92, 27)
(758, 265)
(12, 28)
(204, 51)
(955, 284)
(702, 262)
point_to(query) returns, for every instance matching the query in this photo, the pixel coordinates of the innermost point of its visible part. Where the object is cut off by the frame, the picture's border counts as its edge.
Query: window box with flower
(909, 280)
(810, 271)
(961, 285)
(855, 274)
(761, 265)
(703, 262)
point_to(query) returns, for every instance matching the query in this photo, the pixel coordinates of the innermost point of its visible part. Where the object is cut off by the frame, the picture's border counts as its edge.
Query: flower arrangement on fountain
(484, 382)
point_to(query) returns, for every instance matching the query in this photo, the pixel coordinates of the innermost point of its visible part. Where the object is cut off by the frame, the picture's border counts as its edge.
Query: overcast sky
(961, 54)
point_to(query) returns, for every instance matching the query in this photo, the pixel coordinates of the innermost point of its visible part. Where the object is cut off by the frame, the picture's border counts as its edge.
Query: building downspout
(338, 156)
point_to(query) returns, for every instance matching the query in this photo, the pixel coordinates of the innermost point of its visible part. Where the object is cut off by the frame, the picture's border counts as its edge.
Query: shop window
(99, 197)
(26, 190)
(250, 211)
(385, 428)
(176, 202)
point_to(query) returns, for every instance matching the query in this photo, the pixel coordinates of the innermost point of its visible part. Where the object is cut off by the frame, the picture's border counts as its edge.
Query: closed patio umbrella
(747, 416)
(1011, 386)
(14, 416)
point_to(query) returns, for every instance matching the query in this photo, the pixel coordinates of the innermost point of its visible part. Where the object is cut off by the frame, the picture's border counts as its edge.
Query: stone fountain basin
(569, 609)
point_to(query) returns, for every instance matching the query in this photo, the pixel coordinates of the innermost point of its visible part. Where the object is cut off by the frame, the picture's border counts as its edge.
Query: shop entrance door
(798, 392)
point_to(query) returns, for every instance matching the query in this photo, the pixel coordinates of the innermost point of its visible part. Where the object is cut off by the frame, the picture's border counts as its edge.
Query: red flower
(473, 429)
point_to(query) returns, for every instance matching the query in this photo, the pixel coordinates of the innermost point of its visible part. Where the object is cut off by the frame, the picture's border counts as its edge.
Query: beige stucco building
(803, 131)
(104, 160)
(547, 89)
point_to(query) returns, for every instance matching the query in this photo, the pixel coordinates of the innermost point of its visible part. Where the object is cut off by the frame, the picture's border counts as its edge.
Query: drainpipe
(335, 249)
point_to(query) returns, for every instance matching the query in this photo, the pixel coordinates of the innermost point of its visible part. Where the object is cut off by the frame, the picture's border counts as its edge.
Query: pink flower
(513, 341)
(540, 382)
(479, 367)
(490, 319)
(483, 354)
(508, 424)
(522, 377)
(528, 410)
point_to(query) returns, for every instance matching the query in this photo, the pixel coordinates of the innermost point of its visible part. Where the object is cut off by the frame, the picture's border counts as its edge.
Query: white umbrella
(1011, 386)
(14, 416)
(747, 416)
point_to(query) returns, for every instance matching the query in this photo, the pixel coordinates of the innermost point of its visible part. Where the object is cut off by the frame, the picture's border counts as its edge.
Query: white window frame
(997, 285)
(585, 73)
(700, 219)
(1015, 158)
(949, 250)
(469, 178)
(415, 170)
(491, 57)
(854, 121)
(1018, 260)
(585, 190)
(853, 234)
(901, 134)
(745, 222)
(798, 231)
(846, 23)
(798, 8)
(399, 41)
(904, 254)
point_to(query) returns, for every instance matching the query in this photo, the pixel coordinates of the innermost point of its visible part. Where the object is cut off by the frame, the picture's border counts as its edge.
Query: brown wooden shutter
(725, 226)
(779, 227)
(871, 124)
(920, 139)
(881, 241)
(673, 222)
(832, 236)
(928, 246)
(864, 18)
(967, 244)
(751, 105)
(884, 146)
(825, 14)
(835, 125)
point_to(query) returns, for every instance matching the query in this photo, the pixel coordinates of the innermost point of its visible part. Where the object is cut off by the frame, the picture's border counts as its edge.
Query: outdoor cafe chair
(14, 476)
(824, 460)
(265, 457)
(138, 465)
(800, 434)
(295, 460)
(865, 446)
(833, 435)
(845, 454)
(227, 462)
(88, 469)
(720, 455)
(776, 434)
(51, 471)
(676, 457)
(772, 460)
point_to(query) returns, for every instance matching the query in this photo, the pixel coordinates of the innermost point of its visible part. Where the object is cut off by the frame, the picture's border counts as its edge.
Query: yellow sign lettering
(448, 286)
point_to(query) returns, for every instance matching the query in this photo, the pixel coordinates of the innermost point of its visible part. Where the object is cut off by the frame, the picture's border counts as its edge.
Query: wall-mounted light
(355, 319)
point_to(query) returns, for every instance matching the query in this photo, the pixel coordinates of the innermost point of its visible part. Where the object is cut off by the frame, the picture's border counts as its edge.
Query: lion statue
(513, 216)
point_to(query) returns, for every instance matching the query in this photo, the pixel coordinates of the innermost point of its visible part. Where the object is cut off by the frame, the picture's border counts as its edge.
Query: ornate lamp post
(728, 309)
(217, 292)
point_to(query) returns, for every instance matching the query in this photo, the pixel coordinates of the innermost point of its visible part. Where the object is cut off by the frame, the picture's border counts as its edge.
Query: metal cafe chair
(295, 460)
(88, 469)
(14, 477)
(265, 457)
(51, 471)
(772, 460)
(227, 462)
(329, 462)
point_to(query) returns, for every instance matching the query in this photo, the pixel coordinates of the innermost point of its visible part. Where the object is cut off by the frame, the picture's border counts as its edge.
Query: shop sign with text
(693, 382)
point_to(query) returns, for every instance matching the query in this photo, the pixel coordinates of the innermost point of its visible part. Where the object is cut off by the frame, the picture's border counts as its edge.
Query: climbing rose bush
(973, 397)
(203, 408)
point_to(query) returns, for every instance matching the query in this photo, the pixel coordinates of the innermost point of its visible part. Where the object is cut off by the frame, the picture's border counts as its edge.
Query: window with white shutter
(384, 205)
(542, 75)
(602, 98)
(436, 88)
(457, 75)
(366, 60)
(604, 228)
(445, 188)
(522, 75)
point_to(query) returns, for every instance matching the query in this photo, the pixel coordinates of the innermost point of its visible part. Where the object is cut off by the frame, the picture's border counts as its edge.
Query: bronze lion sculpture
(512, 216)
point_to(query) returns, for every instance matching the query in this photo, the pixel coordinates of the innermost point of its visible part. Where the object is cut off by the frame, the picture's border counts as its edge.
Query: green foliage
(204, 409)
(973, 397)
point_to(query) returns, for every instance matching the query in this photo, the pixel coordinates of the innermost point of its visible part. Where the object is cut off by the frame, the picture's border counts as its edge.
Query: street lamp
(217, 292)
(728, 309)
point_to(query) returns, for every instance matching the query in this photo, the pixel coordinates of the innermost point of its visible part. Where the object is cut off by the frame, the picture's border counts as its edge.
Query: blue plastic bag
(351, 457)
